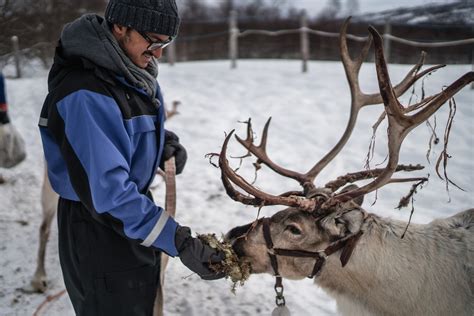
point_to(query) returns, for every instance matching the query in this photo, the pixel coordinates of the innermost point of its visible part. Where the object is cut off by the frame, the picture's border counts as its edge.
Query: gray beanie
(155, 16)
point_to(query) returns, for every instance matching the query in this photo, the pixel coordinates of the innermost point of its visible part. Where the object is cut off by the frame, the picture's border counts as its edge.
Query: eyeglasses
(155, 44)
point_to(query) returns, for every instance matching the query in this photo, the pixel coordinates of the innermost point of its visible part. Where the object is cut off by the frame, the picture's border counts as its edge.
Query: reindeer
(368, 264)
(49, 205)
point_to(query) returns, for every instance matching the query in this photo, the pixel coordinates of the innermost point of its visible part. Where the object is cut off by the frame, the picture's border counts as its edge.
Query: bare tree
(38, 23)
(226, 7)
(352, 7)
(331, 11)
(195, 10)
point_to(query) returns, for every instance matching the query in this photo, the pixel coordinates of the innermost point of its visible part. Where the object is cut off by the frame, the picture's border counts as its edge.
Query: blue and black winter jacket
(103, 141)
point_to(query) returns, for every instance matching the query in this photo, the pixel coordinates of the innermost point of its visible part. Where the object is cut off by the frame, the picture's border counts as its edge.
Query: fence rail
(429, 44)
(234, 34)
(303, 30)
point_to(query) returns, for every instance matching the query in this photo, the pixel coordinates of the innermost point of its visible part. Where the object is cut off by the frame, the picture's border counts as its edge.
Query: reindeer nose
(236, 236)
(238, 247)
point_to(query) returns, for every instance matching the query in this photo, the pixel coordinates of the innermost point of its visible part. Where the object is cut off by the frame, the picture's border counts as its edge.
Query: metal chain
(279, 298)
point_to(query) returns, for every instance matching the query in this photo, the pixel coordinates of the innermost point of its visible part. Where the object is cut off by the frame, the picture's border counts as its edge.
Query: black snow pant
(105, 273)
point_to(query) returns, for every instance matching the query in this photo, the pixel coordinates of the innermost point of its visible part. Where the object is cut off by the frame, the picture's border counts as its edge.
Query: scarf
(90, 37)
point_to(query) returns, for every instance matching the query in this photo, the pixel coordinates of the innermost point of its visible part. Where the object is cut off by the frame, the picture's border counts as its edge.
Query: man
(103, 138)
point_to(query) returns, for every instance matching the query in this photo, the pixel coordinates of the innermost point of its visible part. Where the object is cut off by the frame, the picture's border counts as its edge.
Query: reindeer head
(324, 220)
(297, 230)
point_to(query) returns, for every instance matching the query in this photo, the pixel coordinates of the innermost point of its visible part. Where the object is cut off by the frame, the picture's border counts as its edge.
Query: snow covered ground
(309, 114)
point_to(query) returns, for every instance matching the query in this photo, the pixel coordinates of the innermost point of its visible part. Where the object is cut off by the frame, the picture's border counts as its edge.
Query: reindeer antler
(259, 198)
(400, 124)
(358, 100)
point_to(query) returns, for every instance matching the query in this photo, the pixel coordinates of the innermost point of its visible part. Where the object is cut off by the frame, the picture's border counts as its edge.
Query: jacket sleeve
(89, 129)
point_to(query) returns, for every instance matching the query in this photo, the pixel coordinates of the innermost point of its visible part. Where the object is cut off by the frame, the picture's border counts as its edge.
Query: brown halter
(347, 243)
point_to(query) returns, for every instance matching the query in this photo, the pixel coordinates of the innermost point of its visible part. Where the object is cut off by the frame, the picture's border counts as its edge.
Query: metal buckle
(279, 299)
(322, 254)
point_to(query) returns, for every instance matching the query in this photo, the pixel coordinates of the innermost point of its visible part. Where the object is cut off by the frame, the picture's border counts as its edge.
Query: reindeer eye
(293, 229)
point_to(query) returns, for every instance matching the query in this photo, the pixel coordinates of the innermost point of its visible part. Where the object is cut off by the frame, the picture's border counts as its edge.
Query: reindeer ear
(343, 223)
(358, 200)
(352, 220)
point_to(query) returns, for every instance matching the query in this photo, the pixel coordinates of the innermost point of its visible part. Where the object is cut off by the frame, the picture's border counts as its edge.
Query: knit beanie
(154, 16)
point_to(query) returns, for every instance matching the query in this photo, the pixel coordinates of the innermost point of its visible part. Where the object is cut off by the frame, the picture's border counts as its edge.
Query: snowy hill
(457, 13)
(309, 114)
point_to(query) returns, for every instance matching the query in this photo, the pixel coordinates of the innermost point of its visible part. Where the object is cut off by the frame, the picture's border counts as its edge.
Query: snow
(309, 112)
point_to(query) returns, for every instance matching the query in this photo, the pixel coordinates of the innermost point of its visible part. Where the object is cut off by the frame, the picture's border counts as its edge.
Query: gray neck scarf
(90, 37)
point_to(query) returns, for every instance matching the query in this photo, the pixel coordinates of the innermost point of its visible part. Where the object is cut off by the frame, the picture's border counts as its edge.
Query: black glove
(196, 255)
(172, 148)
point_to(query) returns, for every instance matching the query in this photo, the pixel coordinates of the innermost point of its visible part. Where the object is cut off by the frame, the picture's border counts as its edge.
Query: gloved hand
(172, 148)
(196, 255)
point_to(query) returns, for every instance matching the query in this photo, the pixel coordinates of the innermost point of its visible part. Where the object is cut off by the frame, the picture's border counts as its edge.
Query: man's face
(136, 46)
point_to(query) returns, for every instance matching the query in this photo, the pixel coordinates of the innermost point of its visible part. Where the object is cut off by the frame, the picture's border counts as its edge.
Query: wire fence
(304, 31)
(232, 44)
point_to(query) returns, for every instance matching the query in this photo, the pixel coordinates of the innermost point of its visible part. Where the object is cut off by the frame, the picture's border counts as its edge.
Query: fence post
(233, 39)
(304, 36)
(386, 40)
(171, 53)
(16, 55)
(472, 62)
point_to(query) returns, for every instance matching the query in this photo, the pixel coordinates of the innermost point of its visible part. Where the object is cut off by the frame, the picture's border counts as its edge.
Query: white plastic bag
(12, 146)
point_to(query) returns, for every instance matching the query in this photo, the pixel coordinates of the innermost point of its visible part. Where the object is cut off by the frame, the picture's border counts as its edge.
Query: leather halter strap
(347, 243)
(269, 243)
(280, 299)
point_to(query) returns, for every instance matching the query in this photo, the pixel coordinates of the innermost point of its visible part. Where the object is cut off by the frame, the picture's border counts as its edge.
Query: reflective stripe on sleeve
(156, 231)
(43, 122)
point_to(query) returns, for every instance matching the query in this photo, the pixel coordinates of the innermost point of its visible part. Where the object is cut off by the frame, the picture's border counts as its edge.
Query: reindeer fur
(428, 272)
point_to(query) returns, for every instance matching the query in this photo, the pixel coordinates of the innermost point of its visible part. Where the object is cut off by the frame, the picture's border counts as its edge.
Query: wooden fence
(304, 31)
(234, 34)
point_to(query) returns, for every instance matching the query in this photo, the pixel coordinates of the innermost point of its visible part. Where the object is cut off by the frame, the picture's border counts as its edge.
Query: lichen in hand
(232, 266)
